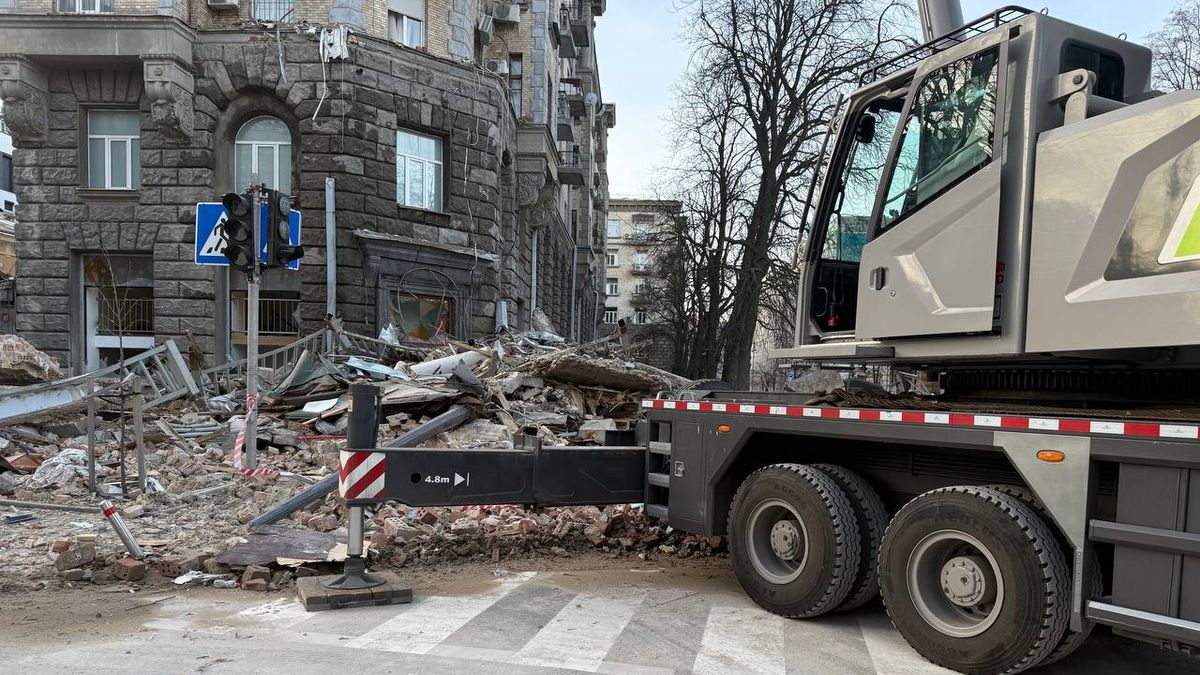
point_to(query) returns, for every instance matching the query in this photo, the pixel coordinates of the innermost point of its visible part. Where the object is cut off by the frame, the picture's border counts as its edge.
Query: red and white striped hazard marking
(240, 443)
(361, 474)
(1014, 422)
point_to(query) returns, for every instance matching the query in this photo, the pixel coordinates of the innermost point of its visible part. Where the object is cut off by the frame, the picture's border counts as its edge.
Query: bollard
(361, 434)
(122, 530)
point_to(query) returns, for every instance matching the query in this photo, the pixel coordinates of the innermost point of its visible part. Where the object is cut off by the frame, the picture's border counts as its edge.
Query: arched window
(263, 146)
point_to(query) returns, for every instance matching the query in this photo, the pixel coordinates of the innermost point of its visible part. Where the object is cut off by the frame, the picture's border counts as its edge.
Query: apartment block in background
(630, 231)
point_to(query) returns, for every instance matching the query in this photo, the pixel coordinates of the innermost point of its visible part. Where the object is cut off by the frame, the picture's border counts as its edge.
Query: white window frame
(437, 166)
(639, 316)
(611, 225)
(404, 21)
(108, 140)
(610, 315)
(612, 257)
(612, 286)
(254, 147)
(97, 7)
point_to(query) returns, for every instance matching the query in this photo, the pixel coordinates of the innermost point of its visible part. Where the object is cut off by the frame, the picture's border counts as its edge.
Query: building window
(610, 286)
(641, 229)
(85, 6)
(641, 260)
(641, 288)
(418, 171)
(639, 316)
(272, 10)
(516, 81)
(610, 315)
(118, 307)
(6, 172)
(264, 147)
(114, 150)
(421, 317)
(406, 22)
(614, 228)
(613, 257)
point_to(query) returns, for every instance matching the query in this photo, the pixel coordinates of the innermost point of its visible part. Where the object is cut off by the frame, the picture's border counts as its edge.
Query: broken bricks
(129, 569)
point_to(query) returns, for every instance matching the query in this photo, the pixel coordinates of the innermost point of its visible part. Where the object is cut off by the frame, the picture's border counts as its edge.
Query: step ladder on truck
(1009, 211)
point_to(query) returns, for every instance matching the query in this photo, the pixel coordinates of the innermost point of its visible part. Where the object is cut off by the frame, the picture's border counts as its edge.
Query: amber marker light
(1051, 456)
(724, 428)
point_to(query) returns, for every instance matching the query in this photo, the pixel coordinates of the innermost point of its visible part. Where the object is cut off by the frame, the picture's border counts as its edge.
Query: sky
(641, 58)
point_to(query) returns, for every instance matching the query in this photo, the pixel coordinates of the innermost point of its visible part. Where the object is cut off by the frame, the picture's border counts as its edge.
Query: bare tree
(697, 252)
(787, 61)
(1176, 48)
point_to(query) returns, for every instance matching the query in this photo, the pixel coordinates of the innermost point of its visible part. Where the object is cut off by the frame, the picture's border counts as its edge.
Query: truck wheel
(872, 521)
(794, 540)
(975, 581)
(1093, 587)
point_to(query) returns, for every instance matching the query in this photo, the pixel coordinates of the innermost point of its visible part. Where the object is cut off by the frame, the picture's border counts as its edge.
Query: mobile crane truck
(1010, 211)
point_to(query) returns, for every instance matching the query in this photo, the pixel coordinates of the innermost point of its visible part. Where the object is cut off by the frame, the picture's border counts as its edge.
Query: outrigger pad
(315, 597)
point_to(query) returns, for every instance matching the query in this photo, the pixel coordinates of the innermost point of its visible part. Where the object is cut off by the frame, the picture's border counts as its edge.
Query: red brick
(129, 569)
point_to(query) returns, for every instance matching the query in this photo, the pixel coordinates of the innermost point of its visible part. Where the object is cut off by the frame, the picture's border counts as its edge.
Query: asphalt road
(649, 622)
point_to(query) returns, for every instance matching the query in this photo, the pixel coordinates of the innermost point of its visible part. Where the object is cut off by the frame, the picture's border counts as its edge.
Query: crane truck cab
(1010, 193)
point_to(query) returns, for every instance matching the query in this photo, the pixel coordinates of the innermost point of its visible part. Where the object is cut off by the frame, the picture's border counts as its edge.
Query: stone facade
(196, 79)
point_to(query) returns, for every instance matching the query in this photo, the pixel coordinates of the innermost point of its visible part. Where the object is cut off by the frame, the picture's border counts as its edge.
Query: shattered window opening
(421, 317)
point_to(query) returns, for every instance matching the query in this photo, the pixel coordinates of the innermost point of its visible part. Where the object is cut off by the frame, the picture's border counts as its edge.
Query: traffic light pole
(252, 281)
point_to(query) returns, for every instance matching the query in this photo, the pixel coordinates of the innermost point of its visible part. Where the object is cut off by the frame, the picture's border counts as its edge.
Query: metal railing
(271, 10)
(276, 361)
(570, 159)
(276, 316)
(575, 10)
(125, 316)
(641, 268)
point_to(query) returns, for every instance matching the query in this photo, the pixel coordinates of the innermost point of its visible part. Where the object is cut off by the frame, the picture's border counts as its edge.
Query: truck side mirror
(865, 132)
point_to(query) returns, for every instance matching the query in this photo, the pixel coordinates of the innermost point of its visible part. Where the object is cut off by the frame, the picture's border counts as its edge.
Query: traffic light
(280, 250)
(238, 231)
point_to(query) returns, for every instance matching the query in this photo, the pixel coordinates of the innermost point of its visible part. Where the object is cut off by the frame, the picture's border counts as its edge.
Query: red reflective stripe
(1134, 429)
(109, 511)
(868, 415)
(351, 464)
(794, 411)
(1014, 422)
(962, 420)
(1079, 426)
(831, 412)
(705, 407)
(912, 417)
(365, 482)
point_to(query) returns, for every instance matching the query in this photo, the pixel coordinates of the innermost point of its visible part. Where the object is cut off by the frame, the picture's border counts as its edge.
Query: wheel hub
(785, 539)
(966, 582)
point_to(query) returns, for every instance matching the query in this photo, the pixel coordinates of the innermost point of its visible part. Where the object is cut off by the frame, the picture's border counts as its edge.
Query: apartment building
(630, 231)
(463, 190)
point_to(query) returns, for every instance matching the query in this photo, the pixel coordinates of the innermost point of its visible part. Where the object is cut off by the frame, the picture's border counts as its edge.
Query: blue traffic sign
(210, 247)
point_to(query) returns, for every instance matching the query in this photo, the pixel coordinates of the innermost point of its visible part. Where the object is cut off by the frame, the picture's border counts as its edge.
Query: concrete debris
(192, 522)
(21, 363)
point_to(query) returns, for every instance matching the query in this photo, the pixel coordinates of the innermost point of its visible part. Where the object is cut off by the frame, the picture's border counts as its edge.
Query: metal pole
(252, 280)
(139, 404)
(91, 449)
(330, 258)
(361, 434)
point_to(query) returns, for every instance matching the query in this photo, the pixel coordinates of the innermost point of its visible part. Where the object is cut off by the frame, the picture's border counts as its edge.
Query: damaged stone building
(463, 143)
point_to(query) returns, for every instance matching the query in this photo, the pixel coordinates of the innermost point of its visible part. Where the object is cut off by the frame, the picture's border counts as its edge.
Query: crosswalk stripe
(580, 636)
(890, 654)
(425, 623)
(741, 640)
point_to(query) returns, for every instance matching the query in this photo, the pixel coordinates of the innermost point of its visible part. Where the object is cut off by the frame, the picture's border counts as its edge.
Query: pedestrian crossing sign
(210, 247)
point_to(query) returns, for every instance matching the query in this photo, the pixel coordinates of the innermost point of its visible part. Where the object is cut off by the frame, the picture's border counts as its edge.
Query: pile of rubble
(191, 512)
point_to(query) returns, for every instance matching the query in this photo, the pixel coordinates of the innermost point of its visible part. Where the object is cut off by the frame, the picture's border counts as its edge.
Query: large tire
(794, 540)
(1093, 586)
(975, 581)
(872, 521)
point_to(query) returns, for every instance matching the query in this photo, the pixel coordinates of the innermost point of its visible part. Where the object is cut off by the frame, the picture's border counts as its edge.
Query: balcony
(567, 48)
(570, 168)
(570, 91)
(641, 297)
(578, 15)
(564, 124)
(641, 269)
